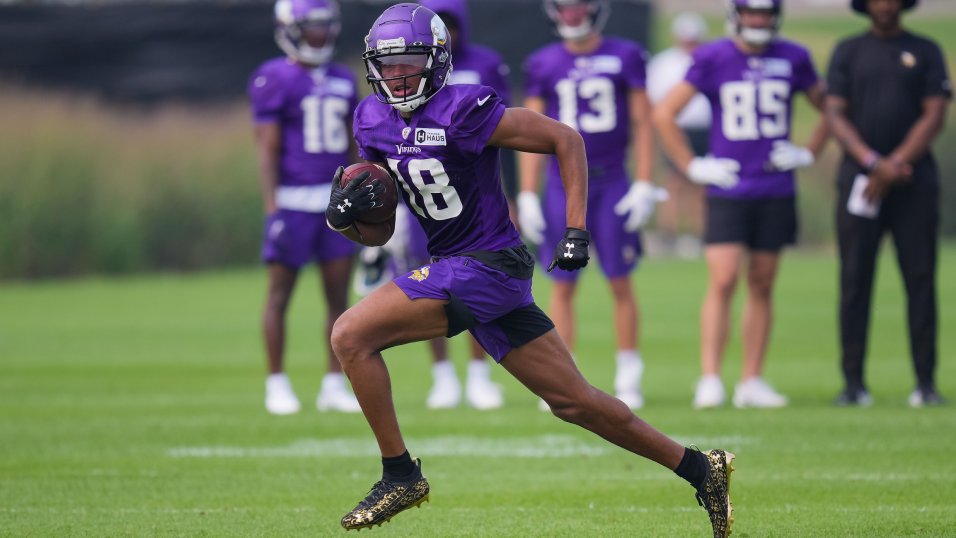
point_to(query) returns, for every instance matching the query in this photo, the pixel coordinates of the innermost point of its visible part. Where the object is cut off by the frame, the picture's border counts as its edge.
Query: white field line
(544, 446)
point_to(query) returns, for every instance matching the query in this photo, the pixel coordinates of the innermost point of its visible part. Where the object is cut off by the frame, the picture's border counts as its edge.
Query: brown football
(389, 196)
(375, 234)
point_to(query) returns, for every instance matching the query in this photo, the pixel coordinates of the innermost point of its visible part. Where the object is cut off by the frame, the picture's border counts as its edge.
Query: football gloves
(571, 253)
(638, 204)
(348, 203)
(530, 217)
(710, 170)
(788, 156)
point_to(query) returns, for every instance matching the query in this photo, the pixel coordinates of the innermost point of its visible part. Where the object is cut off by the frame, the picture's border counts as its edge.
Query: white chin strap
(756, 36)
(409, 106)
(574, 32)
(313, 55)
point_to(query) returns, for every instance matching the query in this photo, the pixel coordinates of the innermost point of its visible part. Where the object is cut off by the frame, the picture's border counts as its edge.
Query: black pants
(910, 212)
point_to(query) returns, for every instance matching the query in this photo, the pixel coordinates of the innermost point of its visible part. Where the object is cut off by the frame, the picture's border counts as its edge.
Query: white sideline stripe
(544, 446)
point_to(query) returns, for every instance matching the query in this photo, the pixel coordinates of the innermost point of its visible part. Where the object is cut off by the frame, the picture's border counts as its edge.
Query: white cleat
(710, 393)
(339, 400)
(445, 394)
(543, 406)
(632, 398)
(280, 400)
(755, 392)
(627, 381)
(480, 391)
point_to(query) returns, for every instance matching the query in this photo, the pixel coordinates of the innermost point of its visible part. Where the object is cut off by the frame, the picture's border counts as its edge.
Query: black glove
(349, 202)
(571, 253)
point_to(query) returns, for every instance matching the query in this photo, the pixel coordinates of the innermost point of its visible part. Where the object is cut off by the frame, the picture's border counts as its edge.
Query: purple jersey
(589, 92)
(751, 99)
(313, 107)
(450, 178)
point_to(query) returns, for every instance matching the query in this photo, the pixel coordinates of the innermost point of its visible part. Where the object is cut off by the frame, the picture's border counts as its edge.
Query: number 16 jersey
(751, 98)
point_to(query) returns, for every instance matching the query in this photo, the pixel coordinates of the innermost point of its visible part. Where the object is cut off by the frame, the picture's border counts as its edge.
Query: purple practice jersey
(751, 98)
(450, 178)
(589, 92)
(313, 107)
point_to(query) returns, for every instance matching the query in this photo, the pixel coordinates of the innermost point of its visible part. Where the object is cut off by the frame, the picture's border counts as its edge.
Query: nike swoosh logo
(483, 101)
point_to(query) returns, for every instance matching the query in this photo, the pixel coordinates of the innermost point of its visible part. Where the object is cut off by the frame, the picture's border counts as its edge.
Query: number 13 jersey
(450, 177)
(751, 98)
(589, 92)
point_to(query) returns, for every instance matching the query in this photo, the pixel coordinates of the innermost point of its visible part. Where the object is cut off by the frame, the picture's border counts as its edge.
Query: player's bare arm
(665, 119)
(642, 133)
(524, 130)
(816, 94)
(268, 145)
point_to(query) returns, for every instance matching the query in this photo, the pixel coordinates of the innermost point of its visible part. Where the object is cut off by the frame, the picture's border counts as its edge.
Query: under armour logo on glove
(352, 200)
(571, 253)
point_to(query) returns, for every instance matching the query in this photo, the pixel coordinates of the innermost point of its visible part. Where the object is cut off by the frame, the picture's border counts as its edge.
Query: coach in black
(887, 98)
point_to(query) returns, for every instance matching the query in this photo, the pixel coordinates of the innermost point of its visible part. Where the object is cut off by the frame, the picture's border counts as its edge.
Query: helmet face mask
(407, 56)
(756, 36)
(306, 29)
(576, 19)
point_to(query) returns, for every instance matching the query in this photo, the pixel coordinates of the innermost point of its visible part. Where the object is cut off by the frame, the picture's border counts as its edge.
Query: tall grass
(91, 188)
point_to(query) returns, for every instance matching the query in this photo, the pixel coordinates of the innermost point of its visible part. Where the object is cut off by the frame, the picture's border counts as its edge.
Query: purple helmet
(593, 21)
(754, 36)
(306, 29)
(407, 41)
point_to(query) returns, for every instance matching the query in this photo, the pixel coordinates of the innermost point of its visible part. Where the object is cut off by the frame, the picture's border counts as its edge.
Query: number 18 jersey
(751, 98)
(450, 177)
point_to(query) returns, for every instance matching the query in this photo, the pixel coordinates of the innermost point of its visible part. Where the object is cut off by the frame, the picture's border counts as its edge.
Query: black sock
(693, 468)
(397, 467)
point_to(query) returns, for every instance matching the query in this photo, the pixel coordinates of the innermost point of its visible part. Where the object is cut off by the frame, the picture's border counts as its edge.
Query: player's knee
(724, 284)
(346, 340)
(760, 286)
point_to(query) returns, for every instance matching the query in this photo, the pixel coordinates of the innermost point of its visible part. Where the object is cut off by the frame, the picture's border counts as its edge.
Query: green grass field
(133, 407)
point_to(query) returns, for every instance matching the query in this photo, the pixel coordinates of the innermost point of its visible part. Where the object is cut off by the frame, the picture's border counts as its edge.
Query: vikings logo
(419, 274)
(439, 31)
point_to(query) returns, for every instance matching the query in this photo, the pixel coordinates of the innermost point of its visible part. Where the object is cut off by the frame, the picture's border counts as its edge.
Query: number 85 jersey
(450, 177)
(751, 98)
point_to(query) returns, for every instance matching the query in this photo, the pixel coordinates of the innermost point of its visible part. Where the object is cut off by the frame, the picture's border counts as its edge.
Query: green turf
(133, 407)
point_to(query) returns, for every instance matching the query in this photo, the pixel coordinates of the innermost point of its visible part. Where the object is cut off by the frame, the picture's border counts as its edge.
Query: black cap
(860, 5)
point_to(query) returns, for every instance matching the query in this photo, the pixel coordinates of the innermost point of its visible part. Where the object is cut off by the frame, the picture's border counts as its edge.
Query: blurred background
(127, 145)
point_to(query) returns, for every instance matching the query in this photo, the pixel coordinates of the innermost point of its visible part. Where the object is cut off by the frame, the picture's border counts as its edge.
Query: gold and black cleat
(714, 495)
(386, 499)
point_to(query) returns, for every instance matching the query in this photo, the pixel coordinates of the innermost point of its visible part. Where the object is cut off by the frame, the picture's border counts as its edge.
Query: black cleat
(714, 494)
(853, 397)
(386, 499)
(925, 398)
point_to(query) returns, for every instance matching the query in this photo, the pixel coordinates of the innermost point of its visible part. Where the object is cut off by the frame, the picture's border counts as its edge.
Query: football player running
(750, 80)
(596, 85)
(302, 106)
(442, 143)
(408, 248)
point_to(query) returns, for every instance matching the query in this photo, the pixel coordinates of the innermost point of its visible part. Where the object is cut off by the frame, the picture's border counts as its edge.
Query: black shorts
(761, 224)
(699, 143)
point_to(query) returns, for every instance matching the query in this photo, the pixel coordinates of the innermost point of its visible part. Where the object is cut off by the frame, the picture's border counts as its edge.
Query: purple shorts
(294, 238)
(618, 251)
(488, 293)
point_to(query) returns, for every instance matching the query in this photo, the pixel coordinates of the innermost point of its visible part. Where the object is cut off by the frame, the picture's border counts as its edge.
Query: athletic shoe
(280, 400)
(337, 400)
(543, 405)
(386, 499)
(627, 381)
(755, 392)
(925, 398)
(851, 397)
(445, 394)
(480, 391)
(709, 393)
(633, 398)
(714, 494)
